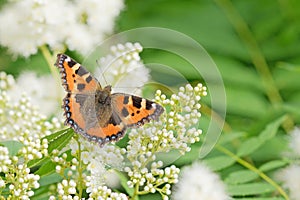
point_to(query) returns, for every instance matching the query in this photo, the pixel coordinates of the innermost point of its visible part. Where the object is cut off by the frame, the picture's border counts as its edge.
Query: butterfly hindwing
(134, 110)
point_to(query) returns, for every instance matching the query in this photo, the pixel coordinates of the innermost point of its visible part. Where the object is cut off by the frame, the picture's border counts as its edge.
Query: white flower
(42, 90)
(19, 117)
(123, 69)
(29, 24)
(290, 176)
(199, 182)
(94, 19)
(98, 159)
(295, 141)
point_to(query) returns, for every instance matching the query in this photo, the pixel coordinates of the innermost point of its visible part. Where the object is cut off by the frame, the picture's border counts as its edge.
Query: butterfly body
(95, 112)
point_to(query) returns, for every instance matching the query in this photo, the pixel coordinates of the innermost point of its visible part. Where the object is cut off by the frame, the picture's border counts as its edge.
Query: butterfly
(95, 112)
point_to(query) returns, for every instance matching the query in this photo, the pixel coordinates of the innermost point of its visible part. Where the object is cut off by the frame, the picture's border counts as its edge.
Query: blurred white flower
(290, 176)
(81, 25)
(120, 68)
(94, 19)
(19, 117)
(199, 182)
(41, 90)
(295, 141)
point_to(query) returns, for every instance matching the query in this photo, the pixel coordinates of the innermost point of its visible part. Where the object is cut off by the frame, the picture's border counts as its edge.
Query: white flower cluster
(6, 81)
(41, 89)
(66, 190)
(154, 179)
(23, 183)
(176, 129)
(21, 122)
(123, 66)
(103, 192)
(29, 24)
(5, 160)
(290, 176)
(21, 117)
(199, 182)
(18, 178)
(95, 161)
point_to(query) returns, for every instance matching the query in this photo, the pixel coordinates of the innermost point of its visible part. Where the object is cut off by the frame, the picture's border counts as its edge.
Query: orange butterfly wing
(134, 110)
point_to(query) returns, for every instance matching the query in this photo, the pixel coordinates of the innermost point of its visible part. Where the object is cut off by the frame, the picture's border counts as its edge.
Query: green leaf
(124, 180)
(272, 165)
(59, 139)
(47, 168)
(249, 146)
(12, 146)
(219, 162)
(252, 144)
(50, 179)
(241, 176)
(229, 137)
(271, 129)
(250, 189)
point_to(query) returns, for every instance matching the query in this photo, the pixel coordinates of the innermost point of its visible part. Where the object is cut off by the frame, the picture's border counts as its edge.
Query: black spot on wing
(137, 101)
(89, 79)
(126, 100)
(81, 71)
(149, 105)
(80, 86)
(71, 63)
(125, 112)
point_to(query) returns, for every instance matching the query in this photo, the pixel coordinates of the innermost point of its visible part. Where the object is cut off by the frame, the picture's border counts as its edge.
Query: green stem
(80, 172)
(249, 40)
(50, 59)
(256, 55)
(136, 192)
(254, 169)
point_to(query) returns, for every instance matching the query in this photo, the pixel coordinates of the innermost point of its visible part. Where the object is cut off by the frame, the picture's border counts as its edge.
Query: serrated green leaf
(12, 146)
(249, 146)
(272, 165)
(250, 189)
(219, 162)
(241, 176)
(124, 180)
(271, 129)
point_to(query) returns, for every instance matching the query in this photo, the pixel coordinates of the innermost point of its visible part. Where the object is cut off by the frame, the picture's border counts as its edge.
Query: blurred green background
(255, 44)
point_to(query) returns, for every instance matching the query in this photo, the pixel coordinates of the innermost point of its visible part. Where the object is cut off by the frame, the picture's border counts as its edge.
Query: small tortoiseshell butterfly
(93, 111)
